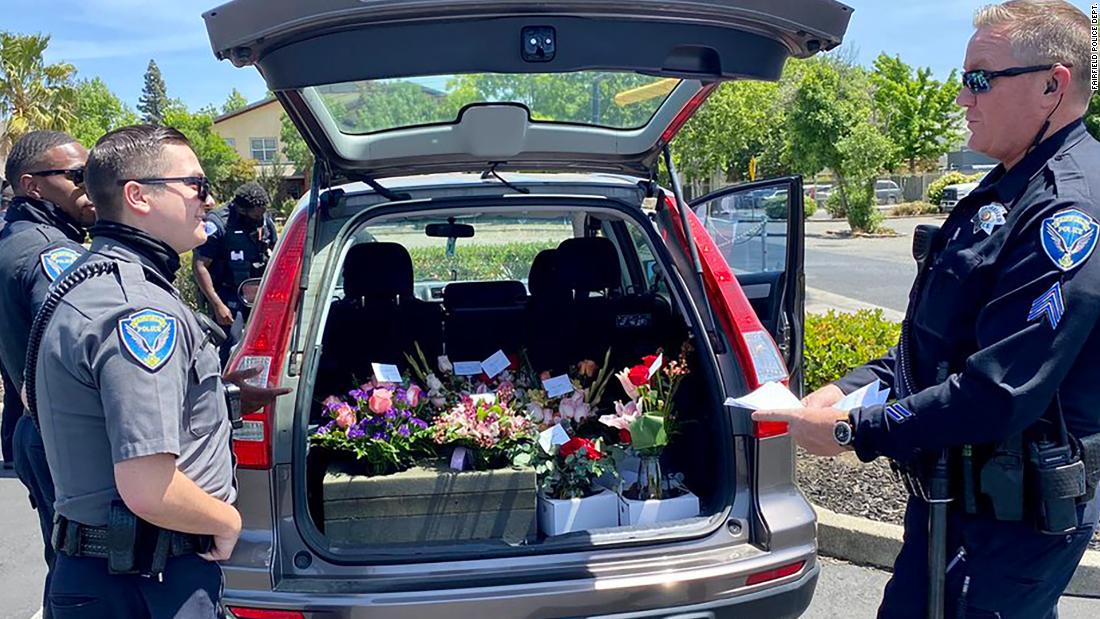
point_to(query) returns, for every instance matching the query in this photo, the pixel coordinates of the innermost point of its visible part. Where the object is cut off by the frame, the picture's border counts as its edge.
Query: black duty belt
(145, 556)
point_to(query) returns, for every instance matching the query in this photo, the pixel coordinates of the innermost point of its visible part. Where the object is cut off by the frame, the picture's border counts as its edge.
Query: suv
(463, 201)
(887, 192)
(953, 193)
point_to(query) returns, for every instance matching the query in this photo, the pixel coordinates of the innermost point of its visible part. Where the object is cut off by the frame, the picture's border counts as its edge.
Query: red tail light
(266, 340)
(777, 573)
(686, 112)
(756, 350)
(262, 613)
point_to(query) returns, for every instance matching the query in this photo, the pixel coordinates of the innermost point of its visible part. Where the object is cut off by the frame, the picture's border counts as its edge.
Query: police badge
(55, 261)
(989, 217)
(1068, 238)
(149, 336)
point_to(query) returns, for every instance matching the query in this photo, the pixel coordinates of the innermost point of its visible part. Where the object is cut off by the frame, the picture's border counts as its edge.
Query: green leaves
(98, 111)
(33, 95)
(836, 343)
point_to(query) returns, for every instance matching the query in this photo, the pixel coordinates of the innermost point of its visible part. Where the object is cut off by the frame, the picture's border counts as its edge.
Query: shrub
(836, 343)
(809, 205)
(834, 207)
(185, 283)
(935, 188)
(910, 209)
(862, 214)
(503, 261)
(776, 207)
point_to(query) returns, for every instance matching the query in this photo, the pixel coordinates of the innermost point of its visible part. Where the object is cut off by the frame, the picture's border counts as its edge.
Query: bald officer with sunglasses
(995, 397)
(40, 238)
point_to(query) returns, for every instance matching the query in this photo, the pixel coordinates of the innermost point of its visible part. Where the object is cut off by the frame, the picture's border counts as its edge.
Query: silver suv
(522, 134)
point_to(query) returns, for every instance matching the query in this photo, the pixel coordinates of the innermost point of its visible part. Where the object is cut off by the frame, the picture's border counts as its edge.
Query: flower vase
(650, 481)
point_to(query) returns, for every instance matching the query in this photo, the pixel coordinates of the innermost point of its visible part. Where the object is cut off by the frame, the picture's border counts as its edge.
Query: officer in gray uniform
(39, 238)
(128, 393)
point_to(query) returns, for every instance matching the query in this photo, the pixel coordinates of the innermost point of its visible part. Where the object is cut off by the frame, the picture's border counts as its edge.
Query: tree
(1092, 116)
(219, 160)
(295, 149)
(234, 102)
(863, 154)
(154, 96)
(98, 111)
(917, 112)
(33, 95)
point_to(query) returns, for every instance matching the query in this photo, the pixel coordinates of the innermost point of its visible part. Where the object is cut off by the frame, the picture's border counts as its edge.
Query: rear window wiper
(492, 171)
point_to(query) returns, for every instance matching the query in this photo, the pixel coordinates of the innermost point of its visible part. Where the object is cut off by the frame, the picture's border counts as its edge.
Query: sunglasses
(76, 175)
(200, 183)
(978, 81)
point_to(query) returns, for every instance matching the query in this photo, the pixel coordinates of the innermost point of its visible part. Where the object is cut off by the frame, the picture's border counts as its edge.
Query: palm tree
(33, 95)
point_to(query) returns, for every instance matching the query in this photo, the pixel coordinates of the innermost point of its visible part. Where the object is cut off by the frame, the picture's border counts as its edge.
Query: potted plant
(569, 497)
(645, 423)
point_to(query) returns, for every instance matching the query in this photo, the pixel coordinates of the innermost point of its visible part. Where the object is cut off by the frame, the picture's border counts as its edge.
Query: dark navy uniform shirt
(1003, 316)
(237, 251)
(37, 243)
(125, 369)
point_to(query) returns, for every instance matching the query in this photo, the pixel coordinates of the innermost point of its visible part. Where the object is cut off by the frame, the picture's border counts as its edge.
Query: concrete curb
(875, 543)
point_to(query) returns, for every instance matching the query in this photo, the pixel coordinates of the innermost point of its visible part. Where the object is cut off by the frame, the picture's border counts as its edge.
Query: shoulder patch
(149, 336)
(55, 261)
(209, 227)
(1068, 238)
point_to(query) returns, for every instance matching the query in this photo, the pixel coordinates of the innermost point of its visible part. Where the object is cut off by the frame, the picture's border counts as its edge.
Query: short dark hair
(251, 195)
(29, 150)
(130, 152)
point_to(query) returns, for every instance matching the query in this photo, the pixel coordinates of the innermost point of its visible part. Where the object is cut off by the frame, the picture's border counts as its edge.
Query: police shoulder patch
(1068, 238)
(149, 336)
(209, 227)
(55, 261)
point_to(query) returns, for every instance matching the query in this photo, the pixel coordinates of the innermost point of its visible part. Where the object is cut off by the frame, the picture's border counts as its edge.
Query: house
(253, 131)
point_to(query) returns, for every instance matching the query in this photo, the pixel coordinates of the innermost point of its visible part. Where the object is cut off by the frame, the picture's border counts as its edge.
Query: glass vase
(650, 479)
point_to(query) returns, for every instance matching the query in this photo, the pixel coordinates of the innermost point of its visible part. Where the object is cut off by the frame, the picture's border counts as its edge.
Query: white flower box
(657, 510)
(557, 516)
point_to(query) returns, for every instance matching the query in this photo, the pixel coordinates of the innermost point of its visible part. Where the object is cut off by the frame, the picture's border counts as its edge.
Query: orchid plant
(489, 428)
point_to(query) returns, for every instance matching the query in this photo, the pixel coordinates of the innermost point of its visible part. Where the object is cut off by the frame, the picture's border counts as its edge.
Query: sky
(115, 39)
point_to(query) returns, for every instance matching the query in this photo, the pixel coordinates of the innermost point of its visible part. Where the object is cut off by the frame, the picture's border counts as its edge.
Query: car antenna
(682, 206)
(492, 171)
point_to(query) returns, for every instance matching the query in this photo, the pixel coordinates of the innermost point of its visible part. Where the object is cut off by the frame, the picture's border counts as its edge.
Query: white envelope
(770, 396)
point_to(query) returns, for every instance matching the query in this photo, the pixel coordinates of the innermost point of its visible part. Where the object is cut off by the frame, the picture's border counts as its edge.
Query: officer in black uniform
(998, 361)
(239, 241)
(128, 393)
(39, 239)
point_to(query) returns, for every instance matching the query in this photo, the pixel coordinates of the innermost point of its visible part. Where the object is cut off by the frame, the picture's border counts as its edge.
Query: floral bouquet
(447, 389)
(571, 470)
(384, 424)
(588, 380)
(489, 429)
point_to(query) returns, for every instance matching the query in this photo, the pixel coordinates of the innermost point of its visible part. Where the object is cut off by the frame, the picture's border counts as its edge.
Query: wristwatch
(843, 432)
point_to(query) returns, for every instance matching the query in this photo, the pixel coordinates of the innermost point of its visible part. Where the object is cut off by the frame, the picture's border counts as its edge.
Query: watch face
(842, 432)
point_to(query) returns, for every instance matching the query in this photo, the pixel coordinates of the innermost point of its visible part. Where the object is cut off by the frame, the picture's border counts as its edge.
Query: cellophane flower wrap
(646, 420)
(385, 425)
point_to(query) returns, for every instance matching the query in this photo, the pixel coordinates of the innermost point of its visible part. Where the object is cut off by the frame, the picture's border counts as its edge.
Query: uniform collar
(123, 242)
(1006, 187)
(26, 208)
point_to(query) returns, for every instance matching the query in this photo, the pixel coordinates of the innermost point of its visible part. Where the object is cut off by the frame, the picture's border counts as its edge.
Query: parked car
(953, 193)
(400, 191)
(887, 192)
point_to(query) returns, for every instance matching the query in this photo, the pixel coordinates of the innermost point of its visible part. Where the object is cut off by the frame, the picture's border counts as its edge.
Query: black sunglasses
(76, 175)
(200, 183)
(978, 80)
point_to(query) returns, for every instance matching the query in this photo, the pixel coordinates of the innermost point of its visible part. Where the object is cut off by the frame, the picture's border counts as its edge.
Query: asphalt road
(22, 568)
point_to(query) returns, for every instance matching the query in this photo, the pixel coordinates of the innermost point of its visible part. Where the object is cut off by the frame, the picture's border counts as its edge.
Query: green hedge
(185, 282)
(935, 188)
(776, 207)
(836, 343)
(503, 261)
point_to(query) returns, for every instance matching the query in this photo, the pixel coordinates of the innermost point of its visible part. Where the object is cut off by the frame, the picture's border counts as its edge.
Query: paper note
(458, 458)
(467, 368)
(488, 398)
(656, 365)
(552, 437)
(867, 395)
(386, 373)
(557, 386)
(770, 396)
(495, 364)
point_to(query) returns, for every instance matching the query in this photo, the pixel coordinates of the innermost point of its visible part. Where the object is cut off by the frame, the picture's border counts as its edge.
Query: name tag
(557, 386)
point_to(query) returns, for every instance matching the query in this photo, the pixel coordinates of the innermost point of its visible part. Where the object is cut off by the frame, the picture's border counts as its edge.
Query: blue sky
(114, 39)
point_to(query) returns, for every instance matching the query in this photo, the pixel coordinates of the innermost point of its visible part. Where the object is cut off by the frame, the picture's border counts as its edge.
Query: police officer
(239, 240)
(999, 356)
(40, 237)
(128, 394)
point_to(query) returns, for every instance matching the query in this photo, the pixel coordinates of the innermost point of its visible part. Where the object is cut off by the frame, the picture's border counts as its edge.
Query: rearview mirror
(450, 231)
(249, 290)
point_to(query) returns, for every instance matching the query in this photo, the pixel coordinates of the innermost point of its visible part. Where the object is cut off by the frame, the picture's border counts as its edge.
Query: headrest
(378, 270)
(482, 295)
(589, 263)
(545, 279)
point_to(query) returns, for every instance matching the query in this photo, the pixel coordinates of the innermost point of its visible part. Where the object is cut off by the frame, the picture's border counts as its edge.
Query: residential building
(253, 131)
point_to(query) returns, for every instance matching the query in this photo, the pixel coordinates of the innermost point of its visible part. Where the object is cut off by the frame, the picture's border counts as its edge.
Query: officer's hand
(224, 544)
(824, 397)
(812, 428)
(253, 398)
(223, 315)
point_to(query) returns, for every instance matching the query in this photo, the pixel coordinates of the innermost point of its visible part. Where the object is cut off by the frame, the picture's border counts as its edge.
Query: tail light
(266, 341)
(756, 350)
(777, 573)
(241, 612)
(686, 113)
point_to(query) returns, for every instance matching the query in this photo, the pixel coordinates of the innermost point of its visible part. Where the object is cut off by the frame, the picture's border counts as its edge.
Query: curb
(867, 542)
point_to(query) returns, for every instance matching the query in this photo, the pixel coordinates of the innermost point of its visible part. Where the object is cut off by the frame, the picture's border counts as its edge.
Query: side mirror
(248, 291)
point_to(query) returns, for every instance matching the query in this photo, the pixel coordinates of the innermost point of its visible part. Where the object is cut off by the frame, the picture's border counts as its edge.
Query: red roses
(577, 444)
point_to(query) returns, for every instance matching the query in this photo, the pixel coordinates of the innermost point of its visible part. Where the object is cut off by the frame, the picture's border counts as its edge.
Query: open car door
(759, 229)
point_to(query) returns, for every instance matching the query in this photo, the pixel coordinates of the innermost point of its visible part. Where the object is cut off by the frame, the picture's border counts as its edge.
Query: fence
(915, 187)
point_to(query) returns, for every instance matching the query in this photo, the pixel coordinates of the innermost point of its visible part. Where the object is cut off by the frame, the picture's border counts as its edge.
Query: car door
(759, 229)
